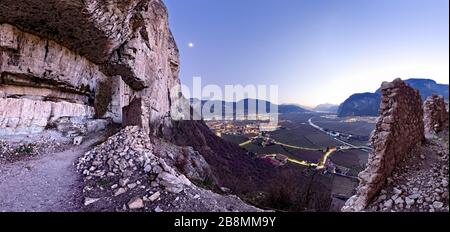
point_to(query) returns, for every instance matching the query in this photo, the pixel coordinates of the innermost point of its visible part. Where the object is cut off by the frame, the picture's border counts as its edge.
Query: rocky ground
(125, 174)
(421, 183)
(44, 179)
(16, 148)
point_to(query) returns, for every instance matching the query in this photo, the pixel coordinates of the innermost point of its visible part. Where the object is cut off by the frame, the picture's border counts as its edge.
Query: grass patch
(25, 149)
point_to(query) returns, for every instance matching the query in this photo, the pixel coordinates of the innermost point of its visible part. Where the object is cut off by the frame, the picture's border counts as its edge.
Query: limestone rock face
(435, 114)
(24, 116)
(29, 60)
(42, 81)
(100, 54)
(130, 38)
(398, 131)
(93, 28)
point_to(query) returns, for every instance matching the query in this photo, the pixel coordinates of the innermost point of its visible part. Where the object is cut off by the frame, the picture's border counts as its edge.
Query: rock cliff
(85, 57)
(360, 104)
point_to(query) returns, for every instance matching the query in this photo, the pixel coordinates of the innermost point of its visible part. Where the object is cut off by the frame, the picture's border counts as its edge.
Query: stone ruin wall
(399, 129)
(85, 60)
(435, 115)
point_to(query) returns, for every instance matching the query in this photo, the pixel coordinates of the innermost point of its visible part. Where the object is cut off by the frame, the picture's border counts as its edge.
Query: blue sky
(316, 51)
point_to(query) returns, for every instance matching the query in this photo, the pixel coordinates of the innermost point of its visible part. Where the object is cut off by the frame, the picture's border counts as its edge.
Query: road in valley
(326, 156)
(366, 149)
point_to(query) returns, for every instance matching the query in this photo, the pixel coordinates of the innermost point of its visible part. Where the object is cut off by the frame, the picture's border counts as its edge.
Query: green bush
(25, 149)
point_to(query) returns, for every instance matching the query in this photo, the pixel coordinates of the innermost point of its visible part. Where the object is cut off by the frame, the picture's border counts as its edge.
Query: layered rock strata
(41, 82)
(96, 55)
(399, 130)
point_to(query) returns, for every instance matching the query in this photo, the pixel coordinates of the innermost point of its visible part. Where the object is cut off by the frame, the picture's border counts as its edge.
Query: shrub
(25, 149)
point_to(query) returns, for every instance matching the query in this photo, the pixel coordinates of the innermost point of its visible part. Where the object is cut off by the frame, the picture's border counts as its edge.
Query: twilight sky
(317, 51)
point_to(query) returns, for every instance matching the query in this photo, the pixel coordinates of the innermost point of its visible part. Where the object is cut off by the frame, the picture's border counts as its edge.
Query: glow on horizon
(363, 77)
(316, 51)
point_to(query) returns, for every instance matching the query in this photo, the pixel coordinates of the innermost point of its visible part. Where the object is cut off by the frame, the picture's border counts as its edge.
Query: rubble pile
(420, 184)
(124, 174)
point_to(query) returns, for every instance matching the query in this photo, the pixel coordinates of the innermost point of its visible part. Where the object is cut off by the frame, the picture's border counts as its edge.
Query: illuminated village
(258, 136)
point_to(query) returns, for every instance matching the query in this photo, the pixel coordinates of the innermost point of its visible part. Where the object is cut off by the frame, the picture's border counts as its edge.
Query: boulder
(136, 203)
(78, 140)
(89, 201)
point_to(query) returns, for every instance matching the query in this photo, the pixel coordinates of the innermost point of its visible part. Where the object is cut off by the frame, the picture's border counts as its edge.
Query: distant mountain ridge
(326, 108)
(427, 87)
(291, 108)
(243, 106)
(367, 104)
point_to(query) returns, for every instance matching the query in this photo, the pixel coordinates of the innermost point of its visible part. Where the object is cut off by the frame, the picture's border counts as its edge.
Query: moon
(191, 45)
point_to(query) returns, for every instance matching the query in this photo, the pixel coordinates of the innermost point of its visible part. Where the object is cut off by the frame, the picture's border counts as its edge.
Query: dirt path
(47, 183)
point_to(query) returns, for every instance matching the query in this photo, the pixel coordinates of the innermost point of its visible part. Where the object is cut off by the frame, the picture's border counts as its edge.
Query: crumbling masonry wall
(435, 115)
(399, 129)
